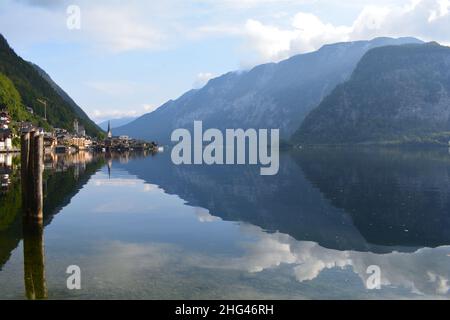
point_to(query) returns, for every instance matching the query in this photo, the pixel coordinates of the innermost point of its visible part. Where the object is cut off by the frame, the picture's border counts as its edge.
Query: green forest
(26, 85)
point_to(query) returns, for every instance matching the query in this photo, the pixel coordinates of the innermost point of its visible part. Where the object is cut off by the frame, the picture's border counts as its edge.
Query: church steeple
(109, 130)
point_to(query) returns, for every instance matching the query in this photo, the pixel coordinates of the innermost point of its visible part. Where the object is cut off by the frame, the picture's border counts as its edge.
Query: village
(67, 141)
(61, 146)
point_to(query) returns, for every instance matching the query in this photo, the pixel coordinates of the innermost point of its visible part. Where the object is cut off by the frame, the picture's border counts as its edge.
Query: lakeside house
(6, 135)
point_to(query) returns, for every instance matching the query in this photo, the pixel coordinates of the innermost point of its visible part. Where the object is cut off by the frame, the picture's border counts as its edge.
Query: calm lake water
(140, 227)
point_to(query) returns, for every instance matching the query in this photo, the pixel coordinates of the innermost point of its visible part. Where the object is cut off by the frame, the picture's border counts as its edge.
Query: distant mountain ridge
(34, 83)
(115, 123)
(275, 95)
(397, 94)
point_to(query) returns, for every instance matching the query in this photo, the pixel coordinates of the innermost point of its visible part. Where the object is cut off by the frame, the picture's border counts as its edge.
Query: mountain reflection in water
(347, 199)
(328, 209)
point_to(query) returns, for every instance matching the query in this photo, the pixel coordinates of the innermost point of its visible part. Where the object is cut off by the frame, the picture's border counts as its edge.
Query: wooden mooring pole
(32, 169)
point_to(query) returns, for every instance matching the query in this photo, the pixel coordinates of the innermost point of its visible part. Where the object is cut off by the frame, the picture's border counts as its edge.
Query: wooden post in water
(24, 163)
(32, 168)
(38, 171)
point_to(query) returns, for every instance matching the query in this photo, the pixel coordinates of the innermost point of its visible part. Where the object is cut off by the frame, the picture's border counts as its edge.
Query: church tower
(75, 126)
(109, 130)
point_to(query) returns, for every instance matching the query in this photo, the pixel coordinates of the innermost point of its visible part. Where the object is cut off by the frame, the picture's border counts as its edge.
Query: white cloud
(121, 28)
(203, 215)
(307, 33)
(149, 107)
(117, 27)
(108, 26)
(425, 19)
(107, 114)
(270, 42)
(99, 115)
(118, 182)
(151, 188)
(121, 91)
(202, 79)
(424, 271)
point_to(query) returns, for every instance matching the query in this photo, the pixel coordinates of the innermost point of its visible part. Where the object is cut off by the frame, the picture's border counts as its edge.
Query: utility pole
(44, 102)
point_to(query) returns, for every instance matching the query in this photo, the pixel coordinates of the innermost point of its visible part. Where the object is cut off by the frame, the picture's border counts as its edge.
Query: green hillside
(32, 85)
(10, 99)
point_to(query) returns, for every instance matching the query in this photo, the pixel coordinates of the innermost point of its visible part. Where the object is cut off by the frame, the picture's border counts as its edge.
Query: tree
(10, 99)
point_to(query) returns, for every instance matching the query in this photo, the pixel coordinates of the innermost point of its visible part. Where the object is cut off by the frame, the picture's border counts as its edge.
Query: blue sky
(131, 56)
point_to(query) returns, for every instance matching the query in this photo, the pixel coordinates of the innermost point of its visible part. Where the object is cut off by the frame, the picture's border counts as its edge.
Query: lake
(140, 227)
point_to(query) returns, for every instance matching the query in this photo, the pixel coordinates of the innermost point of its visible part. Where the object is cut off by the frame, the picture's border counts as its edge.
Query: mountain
(33, 83)
(274, 95)
(115, 123)
(396, 94)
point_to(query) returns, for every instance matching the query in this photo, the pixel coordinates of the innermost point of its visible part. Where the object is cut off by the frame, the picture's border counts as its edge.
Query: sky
(120, 58)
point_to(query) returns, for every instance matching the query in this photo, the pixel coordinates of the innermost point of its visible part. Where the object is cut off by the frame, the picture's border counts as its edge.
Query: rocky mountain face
(275, 95)
(397, 94)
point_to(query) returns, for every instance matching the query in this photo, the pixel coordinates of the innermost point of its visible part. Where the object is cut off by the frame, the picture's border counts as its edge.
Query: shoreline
(9, 151)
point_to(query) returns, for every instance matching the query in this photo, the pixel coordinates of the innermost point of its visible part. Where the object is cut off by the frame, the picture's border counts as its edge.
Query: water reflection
(145, 228)
(34, 260)
(393, 196)
(64, 177)
(274, 258)
(424, 271)
(367, 200)
(6, 169)
(331, 208)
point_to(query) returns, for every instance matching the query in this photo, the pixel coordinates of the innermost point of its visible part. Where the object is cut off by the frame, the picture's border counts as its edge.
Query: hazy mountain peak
(396, 94)
(273, 95)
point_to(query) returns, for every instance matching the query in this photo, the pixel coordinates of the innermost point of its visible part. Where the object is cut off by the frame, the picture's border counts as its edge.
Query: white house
(5, 140)
(8, 144)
